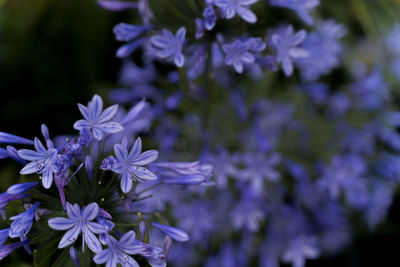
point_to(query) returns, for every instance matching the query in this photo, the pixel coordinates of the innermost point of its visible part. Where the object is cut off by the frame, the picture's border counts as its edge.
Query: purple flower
(238, 53)
(130, 166)
(259, 167)
(173, 232)
(300, 248)
(241, 7)
(108, 163)
(247, 215)
(209, 17)
(286, 42)
(170, 46)
(97, 120)
(22, 223)
(345, 174)
(119, 251)
(156, 256)
(301, 7)
(41, 161)
(324, 49)
(79, 221)
(223, 166)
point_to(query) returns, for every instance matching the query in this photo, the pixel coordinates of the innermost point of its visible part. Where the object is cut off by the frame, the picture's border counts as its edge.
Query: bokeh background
(54, 54)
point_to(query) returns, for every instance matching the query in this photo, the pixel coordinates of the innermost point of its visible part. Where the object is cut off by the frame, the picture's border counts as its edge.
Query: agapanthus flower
(286, 44)
(241, 7)
(257, 168)
(169, 46)
(22, 223)
(98, 121)
(209, 17)
(79, 221)
(300, 248)
(130, 165)
(42, 161)
(324, 50)
(119, 251)
(237, 54)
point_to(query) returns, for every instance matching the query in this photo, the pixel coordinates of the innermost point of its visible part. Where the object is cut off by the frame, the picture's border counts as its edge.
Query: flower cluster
(97, 189)
(294, 159)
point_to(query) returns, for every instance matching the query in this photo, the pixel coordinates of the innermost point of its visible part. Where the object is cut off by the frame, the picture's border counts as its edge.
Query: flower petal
(31, 155)
(128, 238)
(79, 125)
(136, 149)
(126, 183)
(90, 211)
(85, 112)
(29, 168)
(102, 256)
(145, 158)
(141, 173)
(73, 211)
(91, 240)
(110, 127)
(108, 113)
(175, 233)
(96, 227)
(47, 178)
(70, 236)
(95, 106)
(61, 223)
(120, 152)
(7, 138)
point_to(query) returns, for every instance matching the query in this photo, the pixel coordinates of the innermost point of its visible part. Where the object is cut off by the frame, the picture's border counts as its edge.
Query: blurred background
(54, 54)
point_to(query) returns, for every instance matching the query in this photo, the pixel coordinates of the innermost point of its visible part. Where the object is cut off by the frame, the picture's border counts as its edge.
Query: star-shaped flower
(97, 120)
(241, 7)
(41, 161)
(119, 251)
(131, 165)
(79, 221)
(286, 44)
(169, 46)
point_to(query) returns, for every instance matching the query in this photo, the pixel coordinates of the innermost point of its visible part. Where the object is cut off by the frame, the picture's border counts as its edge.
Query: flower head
(285, 42)
(241, 7)
(238, 53)
(79, 221)
(130, 165)
(119, 251)
(97, 120)
(170, 46)
(41, 161)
